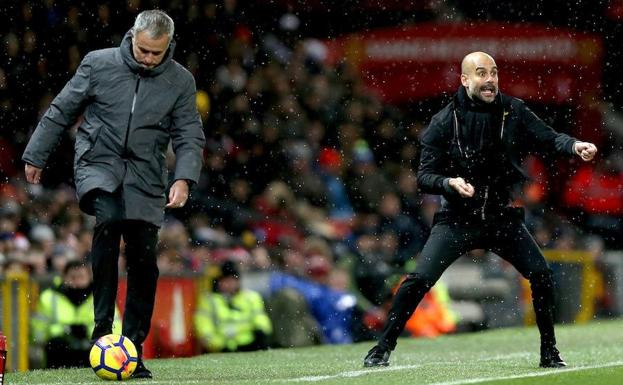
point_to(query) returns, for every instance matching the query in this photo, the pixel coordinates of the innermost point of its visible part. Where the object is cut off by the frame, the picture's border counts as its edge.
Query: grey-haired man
(134, 100)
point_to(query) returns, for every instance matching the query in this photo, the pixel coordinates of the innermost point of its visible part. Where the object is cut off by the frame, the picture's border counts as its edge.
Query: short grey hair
(155, 22)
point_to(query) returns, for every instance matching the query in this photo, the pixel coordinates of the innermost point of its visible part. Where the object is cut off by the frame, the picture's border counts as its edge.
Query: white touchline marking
(363, 372)
(354, 373)
(358, 373)
(529, 375)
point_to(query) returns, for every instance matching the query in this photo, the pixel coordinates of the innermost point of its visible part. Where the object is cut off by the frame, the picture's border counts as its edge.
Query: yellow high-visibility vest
(55, 313)
(221, 326)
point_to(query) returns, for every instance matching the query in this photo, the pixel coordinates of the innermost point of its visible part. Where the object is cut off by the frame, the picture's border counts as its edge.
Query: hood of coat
(128, 57)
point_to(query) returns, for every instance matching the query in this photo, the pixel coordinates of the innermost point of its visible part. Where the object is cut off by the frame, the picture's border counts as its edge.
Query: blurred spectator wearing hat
(302, 179)
(330, 169)
(230, 318)
(366, 183)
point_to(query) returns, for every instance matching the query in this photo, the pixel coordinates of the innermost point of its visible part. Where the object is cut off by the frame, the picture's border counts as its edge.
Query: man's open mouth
(488, 91)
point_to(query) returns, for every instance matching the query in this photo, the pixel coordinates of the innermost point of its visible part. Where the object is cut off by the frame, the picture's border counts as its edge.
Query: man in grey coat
(134, 100)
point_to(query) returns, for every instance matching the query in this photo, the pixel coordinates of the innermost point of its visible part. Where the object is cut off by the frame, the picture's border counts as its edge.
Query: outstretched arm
(542, 136)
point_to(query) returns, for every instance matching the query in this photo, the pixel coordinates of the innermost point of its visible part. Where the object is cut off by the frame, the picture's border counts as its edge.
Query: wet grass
(504, 356)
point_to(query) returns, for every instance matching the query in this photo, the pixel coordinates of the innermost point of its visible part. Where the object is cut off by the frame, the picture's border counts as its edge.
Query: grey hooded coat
(130, 116)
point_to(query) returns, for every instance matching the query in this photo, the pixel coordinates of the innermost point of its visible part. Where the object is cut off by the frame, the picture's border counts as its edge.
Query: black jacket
(450, 149)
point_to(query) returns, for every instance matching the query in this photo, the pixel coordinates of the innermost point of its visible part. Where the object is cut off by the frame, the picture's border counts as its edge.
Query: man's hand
(178, 195)
(585, 150)
(465, 189)
(33, 173)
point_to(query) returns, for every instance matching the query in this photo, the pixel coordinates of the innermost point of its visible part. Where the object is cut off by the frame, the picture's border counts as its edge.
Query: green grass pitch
(594, 352)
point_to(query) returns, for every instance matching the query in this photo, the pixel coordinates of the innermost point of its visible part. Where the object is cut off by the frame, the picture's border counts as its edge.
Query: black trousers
(140, 240)
(506, 235)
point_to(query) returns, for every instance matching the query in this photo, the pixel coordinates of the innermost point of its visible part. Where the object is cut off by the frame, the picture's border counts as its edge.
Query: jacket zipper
(456, 133)
(127, 131)
(484, 203)
(504, 113)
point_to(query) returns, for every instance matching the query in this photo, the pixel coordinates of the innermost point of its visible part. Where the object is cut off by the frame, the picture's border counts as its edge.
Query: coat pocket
(145, 141)
(85, 143)
(81, 148)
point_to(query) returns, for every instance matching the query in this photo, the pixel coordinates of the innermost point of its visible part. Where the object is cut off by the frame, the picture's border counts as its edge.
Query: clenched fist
(585, 150)
(465, 189)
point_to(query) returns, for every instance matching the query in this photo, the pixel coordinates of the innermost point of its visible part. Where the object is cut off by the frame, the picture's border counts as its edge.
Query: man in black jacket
(471, 155)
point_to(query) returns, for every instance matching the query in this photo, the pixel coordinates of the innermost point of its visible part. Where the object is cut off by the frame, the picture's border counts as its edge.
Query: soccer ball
(113, 357)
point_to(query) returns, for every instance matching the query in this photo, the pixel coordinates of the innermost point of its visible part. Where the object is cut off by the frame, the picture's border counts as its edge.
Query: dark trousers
(140, 240)
(450, 238)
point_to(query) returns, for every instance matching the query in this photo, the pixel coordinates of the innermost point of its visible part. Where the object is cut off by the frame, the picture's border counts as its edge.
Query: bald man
(471, 155)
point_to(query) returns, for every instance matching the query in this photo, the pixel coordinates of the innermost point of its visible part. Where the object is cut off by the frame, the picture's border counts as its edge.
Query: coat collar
(128, 57)
(462, 103)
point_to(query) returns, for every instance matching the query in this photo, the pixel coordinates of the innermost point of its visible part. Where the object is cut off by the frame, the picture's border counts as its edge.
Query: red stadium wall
(171, 332)
(538, 63)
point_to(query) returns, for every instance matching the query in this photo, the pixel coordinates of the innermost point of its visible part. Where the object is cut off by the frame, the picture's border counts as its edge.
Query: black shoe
(550, 358)
(141, 371)
(377, 356)
(100, 330)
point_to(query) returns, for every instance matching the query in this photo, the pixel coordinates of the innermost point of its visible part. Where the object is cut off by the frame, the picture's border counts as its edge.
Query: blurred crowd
(306, 172)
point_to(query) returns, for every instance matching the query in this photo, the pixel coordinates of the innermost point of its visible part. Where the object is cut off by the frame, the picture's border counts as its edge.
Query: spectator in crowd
(231, 319)
(135, 100)
(278, 222)
(174, 252)
(410, 233)
(301, 176)
(367, 185)
(330, 171)
(290, 312)
(64, 318)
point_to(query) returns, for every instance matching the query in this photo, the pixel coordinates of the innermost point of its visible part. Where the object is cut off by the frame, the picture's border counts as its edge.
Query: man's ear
(464, 80)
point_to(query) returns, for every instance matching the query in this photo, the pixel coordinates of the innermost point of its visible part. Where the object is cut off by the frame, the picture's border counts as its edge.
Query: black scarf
(77, 296)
